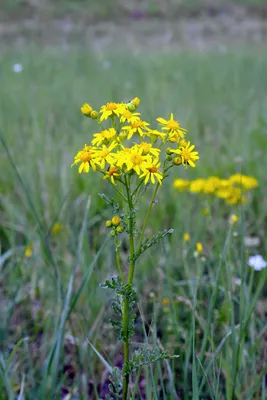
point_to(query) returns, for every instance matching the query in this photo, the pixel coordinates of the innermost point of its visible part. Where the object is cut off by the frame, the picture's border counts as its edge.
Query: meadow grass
(51, 302)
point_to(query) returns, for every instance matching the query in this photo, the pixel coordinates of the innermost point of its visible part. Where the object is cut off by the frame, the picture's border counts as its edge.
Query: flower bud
(131, 107)
(169, 151)
(94, 114)
(113, 233)
(116, 220)
(122, 136)
(119, 229)
(108, 224)
(86, 109)
(177, 161)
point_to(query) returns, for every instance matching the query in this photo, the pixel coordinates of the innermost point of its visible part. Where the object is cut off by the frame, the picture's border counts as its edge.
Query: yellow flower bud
(186, 237)
(94, 114)
(131, 107)
(136, 101)
(122, 136)
(86, 109)
(199, 247)
(233, 219)
(169, 150)
(119, 229)
(177, 161)
(133, 104)
(116, 220)
(108, 224)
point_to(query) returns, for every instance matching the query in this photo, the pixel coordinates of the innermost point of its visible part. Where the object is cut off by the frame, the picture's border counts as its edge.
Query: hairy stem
(118, 260)
(125, 316)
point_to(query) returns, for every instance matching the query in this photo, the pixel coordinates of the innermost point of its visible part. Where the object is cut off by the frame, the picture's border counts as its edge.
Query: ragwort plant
(131, 156)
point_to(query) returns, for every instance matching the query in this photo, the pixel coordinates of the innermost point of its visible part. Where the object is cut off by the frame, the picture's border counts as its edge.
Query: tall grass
(51, 302)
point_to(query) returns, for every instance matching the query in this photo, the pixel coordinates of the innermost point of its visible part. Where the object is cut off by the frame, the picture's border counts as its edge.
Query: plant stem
(118, 260)
(125, 316)
(147, 216)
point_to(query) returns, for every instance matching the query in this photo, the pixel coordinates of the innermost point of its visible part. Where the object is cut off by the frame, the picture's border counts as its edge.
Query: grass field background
(214, 312)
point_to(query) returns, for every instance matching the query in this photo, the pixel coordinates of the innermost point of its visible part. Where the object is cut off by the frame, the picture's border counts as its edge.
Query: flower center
(112, 170)
(86, 156)
(137, 124)
(186, 155)
(153, 170)
(172, 125)
(111, 106)
(136, 159)
(104, 153)
(145, 147)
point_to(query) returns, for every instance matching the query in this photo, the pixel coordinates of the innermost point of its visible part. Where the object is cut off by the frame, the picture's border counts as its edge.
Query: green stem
(147, 216)
(125, 316)
(118, 260)
(136, 383)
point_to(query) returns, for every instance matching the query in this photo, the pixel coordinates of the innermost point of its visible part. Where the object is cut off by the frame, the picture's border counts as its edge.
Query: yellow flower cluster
(231, 190)
(129, 146)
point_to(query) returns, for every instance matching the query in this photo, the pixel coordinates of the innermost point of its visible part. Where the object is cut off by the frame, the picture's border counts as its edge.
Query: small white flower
(17, 68)
(257, 262)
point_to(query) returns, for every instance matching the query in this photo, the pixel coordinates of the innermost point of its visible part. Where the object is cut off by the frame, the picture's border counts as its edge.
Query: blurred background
(206, 62)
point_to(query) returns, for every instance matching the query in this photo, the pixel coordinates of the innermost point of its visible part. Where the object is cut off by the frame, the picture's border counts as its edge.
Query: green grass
(53, 296)
(107, 10)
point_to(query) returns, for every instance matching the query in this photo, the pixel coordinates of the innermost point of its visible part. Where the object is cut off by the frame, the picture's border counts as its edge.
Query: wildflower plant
(131, 155)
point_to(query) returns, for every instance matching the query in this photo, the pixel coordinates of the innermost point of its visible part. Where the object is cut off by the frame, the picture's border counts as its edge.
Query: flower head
(112, 173)
(151, 171)
(104, 137)
(86, 109)
(186, 237)
(175, 131)
(233, 219)
(28, 250)
(257, 262)
(139, 127)
(187, 154)
(87, 159)
(110, 109)
(199, 248)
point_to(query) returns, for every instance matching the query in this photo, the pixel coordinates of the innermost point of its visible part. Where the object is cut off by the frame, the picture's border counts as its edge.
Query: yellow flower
(247, 182)
(116, 220)
(110, 109)
(128, 116)
(56, 228)
(186, 237)
(87, 159)
(106, 136)
(135, 101)
(154, 135)
(199, 247)
(172, 127)
(86, 109)
(187, 154)
(166, 301)
(233, 219)
(104, 155)
(205, 211)
(135, 160)
(181, 184)
(148, 149)
(197, 185)
(151, 171)
(211, 185)
(112, 173)
(139, 127)
(28, 250)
